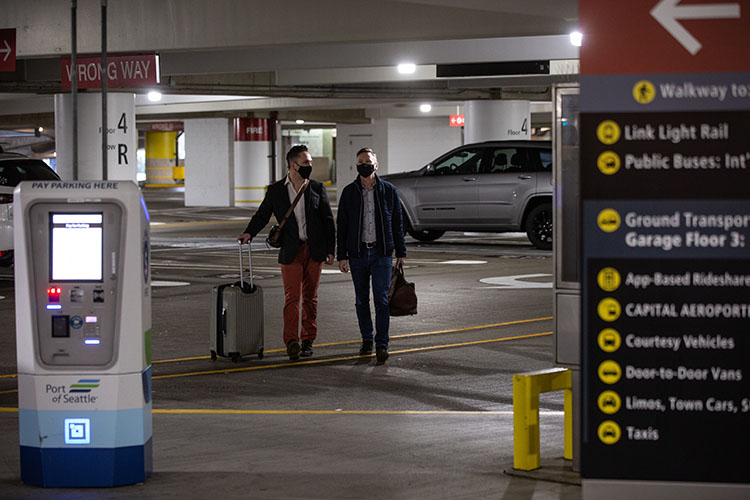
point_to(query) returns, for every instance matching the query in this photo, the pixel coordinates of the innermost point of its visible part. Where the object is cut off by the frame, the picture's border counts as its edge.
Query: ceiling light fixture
(299, 122)
(154, 96)
(576, 38)
(425, 108)
(406, 68)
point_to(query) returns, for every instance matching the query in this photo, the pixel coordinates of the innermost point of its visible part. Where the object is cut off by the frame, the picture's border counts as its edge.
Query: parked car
(15, 168)
(495, 186)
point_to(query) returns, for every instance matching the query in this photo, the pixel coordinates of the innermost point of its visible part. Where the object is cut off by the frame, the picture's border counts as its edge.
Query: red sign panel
(457, 120)
(8, 49)
(252, 129)
(166, 127)
(122, 71)
(664, 36)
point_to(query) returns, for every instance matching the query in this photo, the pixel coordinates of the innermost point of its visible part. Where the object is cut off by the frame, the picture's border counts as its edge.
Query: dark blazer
(321, 231)
(388, 220)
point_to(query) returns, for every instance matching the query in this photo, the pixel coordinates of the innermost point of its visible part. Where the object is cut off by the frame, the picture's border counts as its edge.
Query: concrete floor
(434, 422)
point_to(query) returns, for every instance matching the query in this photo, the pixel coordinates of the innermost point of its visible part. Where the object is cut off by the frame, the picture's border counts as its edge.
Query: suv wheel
(424, 235)
(539, 226)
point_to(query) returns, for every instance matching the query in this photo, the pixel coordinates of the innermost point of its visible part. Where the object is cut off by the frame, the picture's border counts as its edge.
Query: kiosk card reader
(83, 328)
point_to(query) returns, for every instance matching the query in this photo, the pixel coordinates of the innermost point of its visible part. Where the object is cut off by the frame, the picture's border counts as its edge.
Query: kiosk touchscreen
(83, 319)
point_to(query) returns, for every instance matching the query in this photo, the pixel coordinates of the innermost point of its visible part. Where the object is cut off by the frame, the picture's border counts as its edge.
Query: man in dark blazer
(307, 240)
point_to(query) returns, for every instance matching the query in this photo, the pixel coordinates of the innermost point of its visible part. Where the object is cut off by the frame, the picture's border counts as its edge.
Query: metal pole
(74, 81)
(104, 90)
(272, 129)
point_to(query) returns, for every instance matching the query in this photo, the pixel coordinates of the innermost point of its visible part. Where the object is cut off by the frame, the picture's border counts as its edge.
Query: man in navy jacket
(370, 228)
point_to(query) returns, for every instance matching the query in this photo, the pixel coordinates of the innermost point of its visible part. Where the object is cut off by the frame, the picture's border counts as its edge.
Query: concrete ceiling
(332, 59)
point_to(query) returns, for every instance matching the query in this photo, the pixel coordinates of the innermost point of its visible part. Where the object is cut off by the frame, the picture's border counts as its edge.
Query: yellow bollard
(526, 389)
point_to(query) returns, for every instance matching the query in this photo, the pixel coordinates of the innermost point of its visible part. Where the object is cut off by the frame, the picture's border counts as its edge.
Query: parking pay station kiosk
(83, 328)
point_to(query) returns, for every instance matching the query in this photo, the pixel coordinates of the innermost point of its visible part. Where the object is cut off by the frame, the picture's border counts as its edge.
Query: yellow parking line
(404, 336)
(347, 342)
(10, 391)
(344, 358)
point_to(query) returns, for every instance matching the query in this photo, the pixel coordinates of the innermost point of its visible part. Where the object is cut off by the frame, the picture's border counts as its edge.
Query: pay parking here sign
(665, 193)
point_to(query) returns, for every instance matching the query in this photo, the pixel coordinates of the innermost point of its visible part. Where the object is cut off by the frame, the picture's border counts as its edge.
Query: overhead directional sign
(8, 49)
(668, 13)
(665, 218)
(664, 36)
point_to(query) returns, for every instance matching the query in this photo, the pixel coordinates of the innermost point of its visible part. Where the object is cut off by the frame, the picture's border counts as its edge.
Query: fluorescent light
(92, 341)
(576, 38)
(154, 96)
(425, 108)
(406, 68)
(299, 122)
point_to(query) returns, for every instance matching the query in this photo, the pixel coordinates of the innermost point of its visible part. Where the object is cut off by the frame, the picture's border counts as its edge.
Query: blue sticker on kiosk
(76, 322)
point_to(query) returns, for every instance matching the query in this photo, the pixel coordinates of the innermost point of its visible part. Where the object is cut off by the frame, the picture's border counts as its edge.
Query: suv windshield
(14, 171)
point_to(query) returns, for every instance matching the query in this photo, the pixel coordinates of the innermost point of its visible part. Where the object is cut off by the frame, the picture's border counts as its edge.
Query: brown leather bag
(402, 296)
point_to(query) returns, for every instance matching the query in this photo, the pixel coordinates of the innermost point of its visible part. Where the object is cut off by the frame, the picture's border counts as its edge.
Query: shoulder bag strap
(294, 204)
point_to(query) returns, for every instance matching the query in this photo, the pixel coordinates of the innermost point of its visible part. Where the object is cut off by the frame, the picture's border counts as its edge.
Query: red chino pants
(301, 279)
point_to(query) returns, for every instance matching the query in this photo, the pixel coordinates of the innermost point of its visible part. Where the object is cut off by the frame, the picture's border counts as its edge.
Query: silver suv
(15, 168)
(494, 186)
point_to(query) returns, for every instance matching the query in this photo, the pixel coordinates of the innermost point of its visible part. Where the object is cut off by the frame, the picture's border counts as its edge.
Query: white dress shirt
(299, 210)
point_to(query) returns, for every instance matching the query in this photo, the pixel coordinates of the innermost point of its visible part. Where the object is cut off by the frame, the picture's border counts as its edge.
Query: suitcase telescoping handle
(250, 264)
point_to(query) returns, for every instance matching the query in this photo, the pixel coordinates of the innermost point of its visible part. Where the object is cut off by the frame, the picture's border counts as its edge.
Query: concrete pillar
(161, 158)
(496, 120)
(122, 136)
(209, 162)
(252, 151)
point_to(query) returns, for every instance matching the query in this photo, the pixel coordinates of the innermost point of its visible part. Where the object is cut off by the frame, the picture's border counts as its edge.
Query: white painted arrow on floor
(667, 12)
(515, 281)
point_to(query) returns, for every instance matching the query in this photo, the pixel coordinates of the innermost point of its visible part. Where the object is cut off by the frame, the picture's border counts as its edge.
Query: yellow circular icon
(609, 402)
(609, 432)
(609, 372)
(609, 309)
(644, 92)
(608, 279)
(608, 132)
(608, 163)
(608, 220)
(609, 340)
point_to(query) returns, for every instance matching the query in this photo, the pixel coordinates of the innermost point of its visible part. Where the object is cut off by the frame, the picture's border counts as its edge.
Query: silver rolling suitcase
(237, 317)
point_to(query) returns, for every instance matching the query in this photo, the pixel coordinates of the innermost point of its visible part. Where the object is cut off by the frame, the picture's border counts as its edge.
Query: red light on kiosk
(53, 294)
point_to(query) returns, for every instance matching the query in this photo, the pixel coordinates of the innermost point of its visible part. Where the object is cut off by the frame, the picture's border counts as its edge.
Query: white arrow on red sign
(667, 12)
(7, 50)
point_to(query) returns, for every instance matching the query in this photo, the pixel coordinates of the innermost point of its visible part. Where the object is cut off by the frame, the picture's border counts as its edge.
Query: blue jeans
(377, 267)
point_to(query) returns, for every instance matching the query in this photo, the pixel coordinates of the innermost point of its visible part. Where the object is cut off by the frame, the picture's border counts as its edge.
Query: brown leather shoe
(292, 349)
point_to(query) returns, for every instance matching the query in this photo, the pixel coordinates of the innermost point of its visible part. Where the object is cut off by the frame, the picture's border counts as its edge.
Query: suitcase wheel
(260, 353)
(213, 355)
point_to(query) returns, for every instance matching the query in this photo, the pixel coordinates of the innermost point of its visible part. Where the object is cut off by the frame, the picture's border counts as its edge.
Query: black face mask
(365, 169)
(304, 171)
